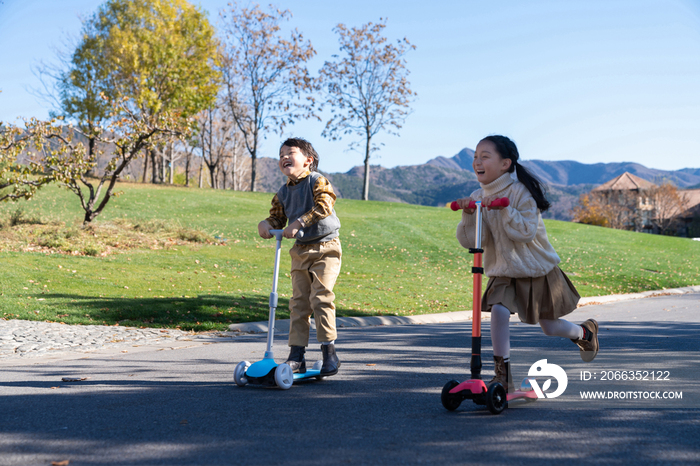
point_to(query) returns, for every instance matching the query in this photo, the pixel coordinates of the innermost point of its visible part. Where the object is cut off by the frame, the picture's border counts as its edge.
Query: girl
(521, 264)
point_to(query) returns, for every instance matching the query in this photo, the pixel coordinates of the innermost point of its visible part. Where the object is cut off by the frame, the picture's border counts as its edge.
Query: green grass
(398, 259)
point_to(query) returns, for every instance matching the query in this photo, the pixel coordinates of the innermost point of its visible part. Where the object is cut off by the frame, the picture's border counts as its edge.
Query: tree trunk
(172, 166)
(188, 160)
(154, 168)
(234, 185)
(91, 151)
(213, 172)
(253, 171)
(201, 173)
(365, 188)
(145, 167)
(163, 166)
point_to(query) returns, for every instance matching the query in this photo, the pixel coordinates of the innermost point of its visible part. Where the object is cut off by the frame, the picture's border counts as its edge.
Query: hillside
(441, 180)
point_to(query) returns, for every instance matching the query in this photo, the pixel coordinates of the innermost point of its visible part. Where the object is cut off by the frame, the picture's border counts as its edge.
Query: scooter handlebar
(500, 202)
(278, 234)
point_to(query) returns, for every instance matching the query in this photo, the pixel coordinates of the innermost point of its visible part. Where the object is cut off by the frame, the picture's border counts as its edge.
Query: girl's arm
(520, 219)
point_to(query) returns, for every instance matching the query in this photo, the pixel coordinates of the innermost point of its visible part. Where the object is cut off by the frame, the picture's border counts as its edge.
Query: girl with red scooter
(522, 265)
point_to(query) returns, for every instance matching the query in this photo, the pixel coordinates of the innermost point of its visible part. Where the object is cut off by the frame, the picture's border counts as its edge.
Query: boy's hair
(306, 148)
(508, 150)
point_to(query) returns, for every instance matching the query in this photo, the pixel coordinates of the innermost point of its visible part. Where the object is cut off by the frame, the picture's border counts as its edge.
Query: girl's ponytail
(508, 150)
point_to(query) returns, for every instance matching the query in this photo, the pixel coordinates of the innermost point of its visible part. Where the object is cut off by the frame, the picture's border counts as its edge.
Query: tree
(154, 65)
(82, 85)
(669, 203)
(591, 210)
(217, 139)
(265, 76)
(367, 88)
(222, 148)
(22, 180)
(617, 209)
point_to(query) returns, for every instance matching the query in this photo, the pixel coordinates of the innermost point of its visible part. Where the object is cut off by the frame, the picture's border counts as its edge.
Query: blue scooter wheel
(284, 376)
(239, 373)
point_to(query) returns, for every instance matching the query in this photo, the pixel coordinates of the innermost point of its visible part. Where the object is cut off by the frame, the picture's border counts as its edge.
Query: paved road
(174, 403)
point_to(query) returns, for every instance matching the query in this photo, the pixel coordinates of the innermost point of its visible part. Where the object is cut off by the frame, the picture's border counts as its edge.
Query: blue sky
(585, 80)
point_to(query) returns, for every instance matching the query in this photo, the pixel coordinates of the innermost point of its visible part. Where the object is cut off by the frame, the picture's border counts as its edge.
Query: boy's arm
(324, 200)
(276, 221)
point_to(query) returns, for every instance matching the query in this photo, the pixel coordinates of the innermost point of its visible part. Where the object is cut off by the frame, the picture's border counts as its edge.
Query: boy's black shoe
(296, 360)
(331, 363)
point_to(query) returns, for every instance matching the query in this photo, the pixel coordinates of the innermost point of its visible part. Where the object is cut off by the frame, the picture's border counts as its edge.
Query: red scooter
(494, 396)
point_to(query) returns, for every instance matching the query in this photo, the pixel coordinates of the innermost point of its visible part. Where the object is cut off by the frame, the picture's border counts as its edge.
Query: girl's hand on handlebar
(487, 203)
(292, 229)
(464, 205)
(264, 230)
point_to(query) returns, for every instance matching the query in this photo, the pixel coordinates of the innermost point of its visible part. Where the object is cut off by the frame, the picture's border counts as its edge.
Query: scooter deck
(521, 395)
(475, 388)
(309, 374)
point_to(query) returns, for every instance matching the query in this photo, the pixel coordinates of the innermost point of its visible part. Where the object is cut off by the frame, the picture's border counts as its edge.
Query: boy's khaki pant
(315, 268)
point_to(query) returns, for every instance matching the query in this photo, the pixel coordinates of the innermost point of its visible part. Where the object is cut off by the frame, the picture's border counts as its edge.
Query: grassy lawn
(398, 260)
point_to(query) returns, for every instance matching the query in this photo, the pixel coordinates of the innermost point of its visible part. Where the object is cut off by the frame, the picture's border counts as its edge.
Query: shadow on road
(382, 408)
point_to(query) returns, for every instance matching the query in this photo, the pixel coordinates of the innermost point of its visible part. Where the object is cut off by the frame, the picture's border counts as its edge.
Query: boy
(307, 200)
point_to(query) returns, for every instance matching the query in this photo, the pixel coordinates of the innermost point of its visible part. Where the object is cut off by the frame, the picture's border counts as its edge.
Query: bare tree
(367, 87)
(216, 136)
(265, 76)
(186, 148)
(669, 203)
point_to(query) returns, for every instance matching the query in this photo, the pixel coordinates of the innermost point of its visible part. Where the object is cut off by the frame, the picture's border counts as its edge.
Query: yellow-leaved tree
(141, 72)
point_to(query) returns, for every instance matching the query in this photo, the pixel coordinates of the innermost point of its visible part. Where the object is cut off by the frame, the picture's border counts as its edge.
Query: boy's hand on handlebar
(464, 204)
(292, 229)
(264, 229)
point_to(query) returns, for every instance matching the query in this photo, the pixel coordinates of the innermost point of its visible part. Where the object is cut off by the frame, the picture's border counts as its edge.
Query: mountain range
(442, 179)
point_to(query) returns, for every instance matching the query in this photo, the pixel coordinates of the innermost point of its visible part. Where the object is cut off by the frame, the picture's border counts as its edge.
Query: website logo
(543, 369)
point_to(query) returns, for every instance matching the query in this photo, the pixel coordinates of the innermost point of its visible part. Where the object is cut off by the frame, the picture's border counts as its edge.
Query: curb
(282, 325)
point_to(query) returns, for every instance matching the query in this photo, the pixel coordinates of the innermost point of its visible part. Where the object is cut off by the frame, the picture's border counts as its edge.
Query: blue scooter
(267, 371)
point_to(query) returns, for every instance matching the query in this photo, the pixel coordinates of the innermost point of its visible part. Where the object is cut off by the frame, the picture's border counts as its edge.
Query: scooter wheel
(449, 400)
(284, 376)
(496, 398)
(239, 373)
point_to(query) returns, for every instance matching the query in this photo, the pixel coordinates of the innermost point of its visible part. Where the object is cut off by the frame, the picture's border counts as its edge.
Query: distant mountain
(441, 180)
(568, 172)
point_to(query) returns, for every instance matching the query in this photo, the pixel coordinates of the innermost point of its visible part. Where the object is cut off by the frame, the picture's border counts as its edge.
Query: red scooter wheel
(496, 398)
(449, 400)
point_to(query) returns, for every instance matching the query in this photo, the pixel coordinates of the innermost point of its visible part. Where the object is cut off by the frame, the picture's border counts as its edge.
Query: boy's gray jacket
(298, 200)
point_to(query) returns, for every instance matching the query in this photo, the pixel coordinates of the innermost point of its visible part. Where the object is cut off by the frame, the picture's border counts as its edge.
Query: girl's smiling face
(293, 162)
(488, 164)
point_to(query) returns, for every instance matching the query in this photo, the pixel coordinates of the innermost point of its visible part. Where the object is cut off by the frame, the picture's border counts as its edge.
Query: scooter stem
(273, 295)
(477, 270)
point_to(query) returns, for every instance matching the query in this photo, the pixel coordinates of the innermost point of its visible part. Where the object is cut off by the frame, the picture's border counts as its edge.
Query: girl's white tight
(500, 330)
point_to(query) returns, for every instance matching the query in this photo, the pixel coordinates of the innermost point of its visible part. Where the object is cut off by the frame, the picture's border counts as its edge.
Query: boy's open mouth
(287, 164)
(480, 172)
